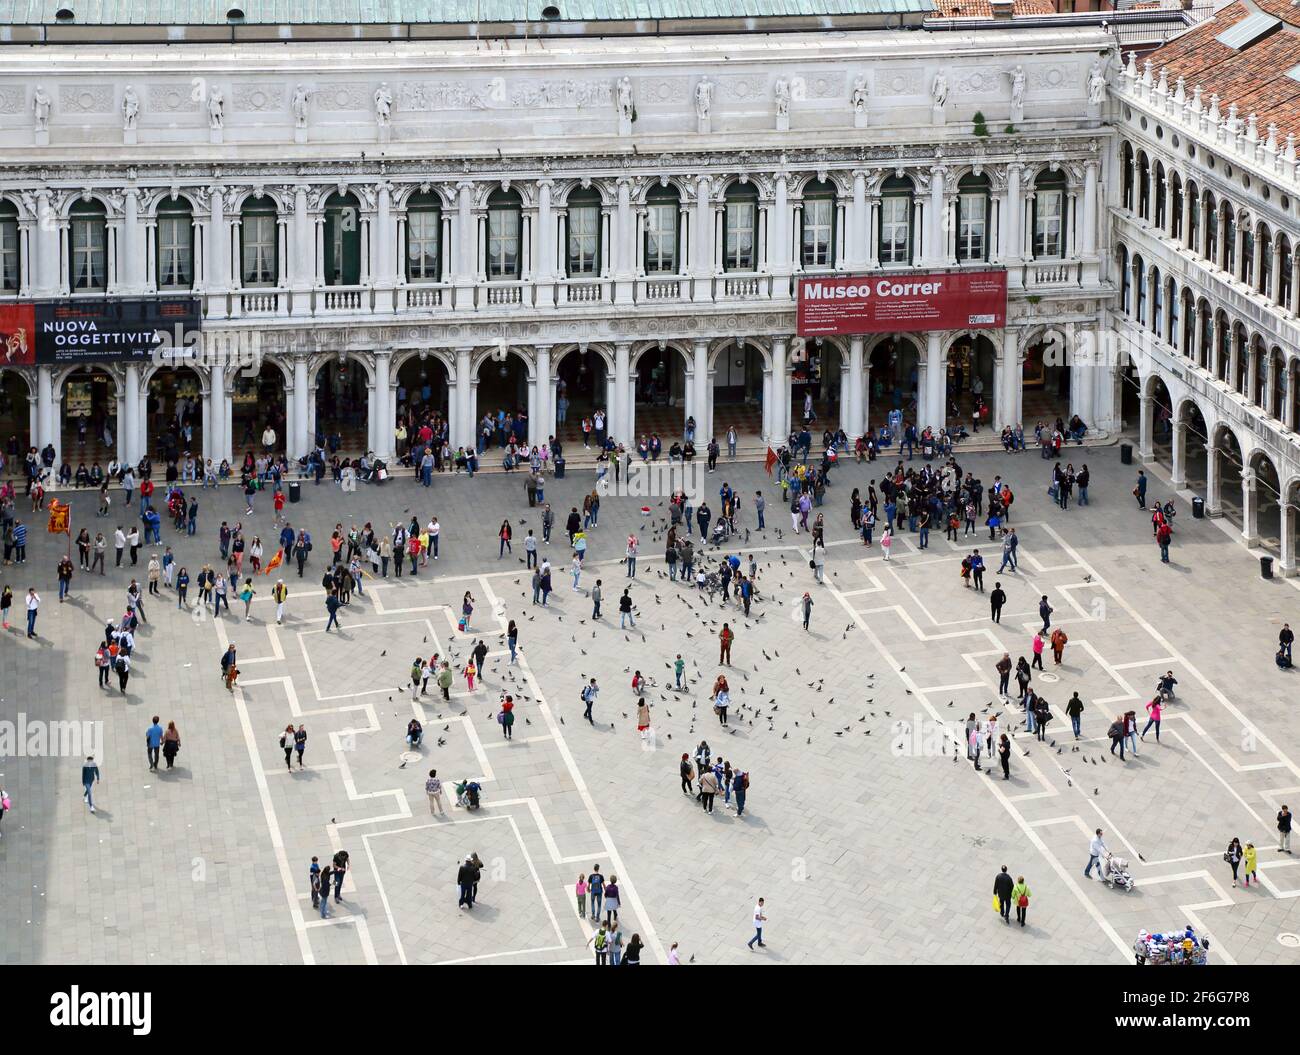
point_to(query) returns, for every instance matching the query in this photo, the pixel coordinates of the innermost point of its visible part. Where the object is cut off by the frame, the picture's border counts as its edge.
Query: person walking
(1284, 830)
(1116, 734)
(326, 876)
(1020, 895)
(1059, 640)
(1096, 848)
(633, 547)
(580, 890)
(1037, 646)
(1074, 709)
(599, 941)
(596, 891)
(300, 743)
(1002, 896)
(33, 609)
(725, 637)
(279, 594)
(807, 606)
(64, 573)
(286, 744)
(625, 610)
(1233, 856)
(1003, 667)
(1140, 490)
(1153, 718)
(886, 542)
(760, 918)
(708, 789)
(1250, 859)
(171, 744)
(153, 738)
(89, 778)
(1045, 613)
(997, 599)
(1004, 756)
(589, 694)
(332, 605)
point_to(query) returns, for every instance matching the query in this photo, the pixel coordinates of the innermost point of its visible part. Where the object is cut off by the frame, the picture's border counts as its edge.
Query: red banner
(898, 302)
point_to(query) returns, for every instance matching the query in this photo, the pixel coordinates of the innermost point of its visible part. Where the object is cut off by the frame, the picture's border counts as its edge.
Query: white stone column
(45, 239)
(1287, 537)
(703, 392)
(130, 274)
(767, 404)
(1213, 481)
(1249, 507)
(866, 397)
(780, 390)
(302, 438)
(381, 239)
(857, 239)
(464, 425)
(937, 383)
(48, 423)
(624, 249)
(542, 419)
(779, 255)
(206, 403)
(216, 445)
(1011, 252)
(845, 399)
(855, 419)
(1089, 247)
(619, 410)
(703, 292)
(384, 410)
(1146, 414)
(1178, 477)
(133, 424)
(464, 262)
(544, 270)
(936, 253)
(217, 245)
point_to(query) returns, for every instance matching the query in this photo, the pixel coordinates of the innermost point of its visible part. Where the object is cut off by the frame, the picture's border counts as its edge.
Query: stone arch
(601, 348)
(247, 194)
(565, 189)
(319, 362)
(680, 346)
(405, 355)
(192, 196)
(680, 185)
(404, 192)
(482, 355)
(762, 344)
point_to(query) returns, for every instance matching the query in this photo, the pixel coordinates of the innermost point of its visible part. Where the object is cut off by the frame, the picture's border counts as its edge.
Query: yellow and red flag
(274, 562)
(60, 518)
(769, 461)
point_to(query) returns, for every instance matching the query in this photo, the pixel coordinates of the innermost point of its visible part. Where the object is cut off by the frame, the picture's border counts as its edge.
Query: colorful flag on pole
(274, 562)
(60, 518)
(769, 461)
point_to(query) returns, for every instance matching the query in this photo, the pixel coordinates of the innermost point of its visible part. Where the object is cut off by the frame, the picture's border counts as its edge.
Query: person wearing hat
(280, 593)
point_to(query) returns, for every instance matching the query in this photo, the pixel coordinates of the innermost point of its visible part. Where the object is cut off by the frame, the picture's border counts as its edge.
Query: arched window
(1211, 229)
(1247, 250)
(1049, 216)
(1144, 186)
(1207, 334)
(662, 223)
(1265, 285)
(1126, 176)
(1125, 282)
(424, 238)
(972, 218)
(342, 240)
(10, 262)
(1176, 198)
(259, 242)
(1172, 333)
(817, 222)
(1157, 302)
(740, 228)
(1140, 283)
(88, 247)
(896, 221)
(582, 226)
(175, 249)
(1286, 262)
(1159, 191)
(1229, 238)
(504, 235)
(1193, 218)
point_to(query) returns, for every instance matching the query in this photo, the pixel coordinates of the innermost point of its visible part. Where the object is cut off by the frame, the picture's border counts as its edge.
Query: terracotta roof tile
(982, 8)
(1255, 79)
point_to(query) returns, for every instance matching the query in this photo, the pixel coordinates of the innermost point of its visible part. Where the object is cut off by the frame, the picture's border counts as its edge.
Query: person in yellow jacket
(1250, 857)
(280, 594)
(1020, 898)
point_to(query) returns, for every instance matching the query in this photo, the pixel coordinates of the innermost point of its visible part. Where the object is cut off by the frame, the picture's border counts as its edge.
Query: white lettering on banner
(818, 291)
(886, 288)
(883, 288)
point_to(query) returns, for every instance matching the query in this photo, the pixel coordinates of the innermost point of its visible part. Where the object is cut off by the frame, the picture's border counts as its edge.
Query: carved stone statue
(130, 108)
(782, 90)
(703, 98)
(383, 105)
(216, 110)
(624, 98)
(860, 95)
(1018, 81)
(41, 109)
(301, 98)
(939, 90)
(1096, 84)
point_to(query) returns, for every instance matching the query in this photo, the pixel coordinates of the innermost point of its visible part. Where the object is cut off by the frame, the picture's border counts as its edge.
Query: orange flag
(274, 562)
(769, 461)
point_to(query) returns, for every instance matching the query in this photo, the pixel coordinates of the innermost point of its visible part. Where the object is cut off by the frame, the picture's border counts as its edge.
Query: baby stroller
(721, 530)
(1115, 873)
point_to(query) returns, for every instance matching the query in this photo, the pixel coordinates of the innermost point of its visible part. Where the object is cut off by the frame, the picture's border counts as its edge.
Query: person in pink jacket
(1153, 709)
(1038, 651)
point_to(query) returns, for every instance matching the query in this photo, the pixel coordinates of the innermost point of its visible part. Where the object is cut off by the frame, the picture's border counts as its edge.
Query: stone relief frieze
(820, 85)
(338, 98)
(663, 90)
(896, 82)
(258, 97)
(1050, 78)
(976, 80)
(743, 88)
(85, 98)
(11, 100)
(174, 98)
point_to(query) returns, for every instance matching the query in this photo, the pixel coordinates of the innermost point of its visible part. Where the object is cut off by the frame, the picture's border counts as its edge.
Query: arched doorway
(971, 372)
(1267, 500)
(659, 374)
(256, 400)
(342, 405)
(1128, 393)
(1045, 382)
(581, 388)
(89, 425)
(1195, 437)
(175, 408)
(815, 385)
(15, 420)
(1225, 468)
(738, 390)
(1160, 407)
(421, 398)
(503, 396)
(894, 363)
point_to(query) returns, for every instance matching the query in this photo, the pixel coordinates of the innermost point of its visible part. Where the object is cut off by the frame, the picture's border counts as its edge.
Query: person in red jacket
(146, 494)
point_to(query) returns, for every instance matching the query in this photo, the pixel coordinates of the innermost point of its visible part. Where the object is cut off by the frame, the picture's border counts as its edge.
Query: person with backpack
(588, 697)
(596, 891)
(740, 788)
(600, 941)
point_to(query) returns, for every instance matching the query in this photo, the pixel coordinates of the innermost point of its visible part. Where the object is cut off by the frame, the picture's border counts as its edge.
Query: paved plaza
(868, 842)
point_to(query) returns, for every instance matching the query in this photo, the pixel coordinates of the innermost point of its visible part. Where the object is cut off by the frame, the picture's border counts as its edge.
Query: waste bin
(1266, 567)
(1198, 507)
(295, 490)
(1126, 453)
(559, 468)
